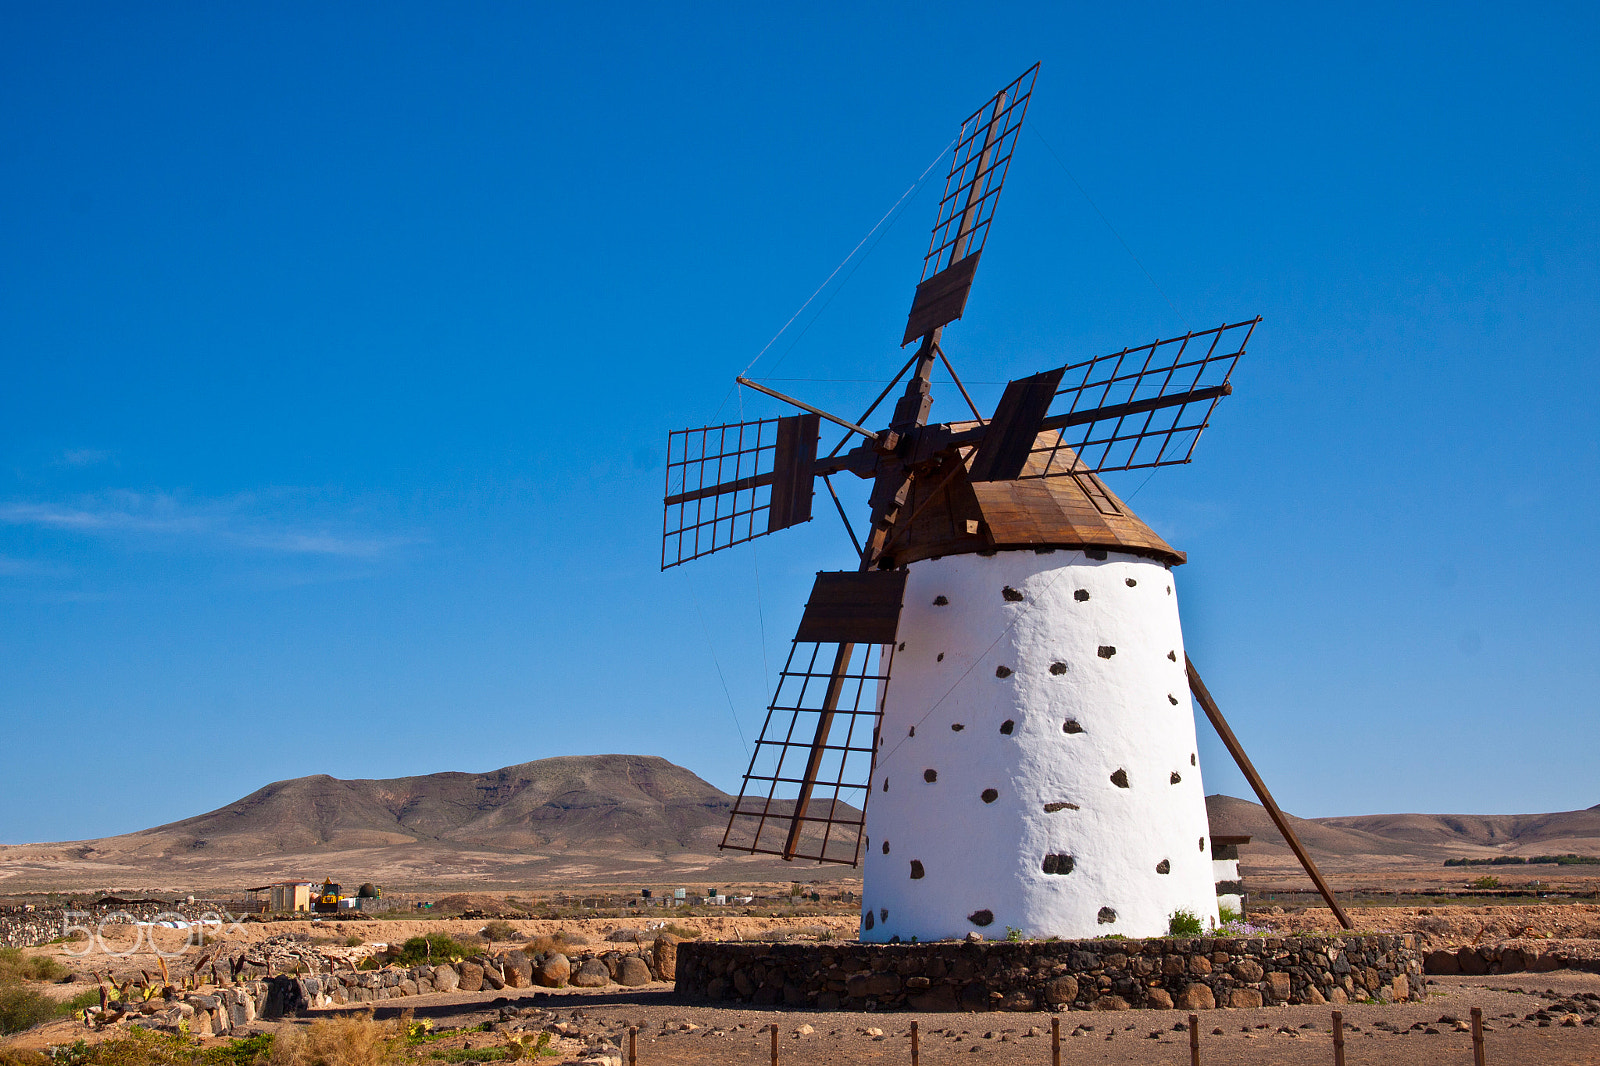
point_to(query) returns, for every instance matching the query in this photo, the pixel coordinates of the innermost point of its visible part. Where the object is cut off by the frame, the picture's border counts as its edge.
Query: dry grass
(561, 941)
(337, 1042)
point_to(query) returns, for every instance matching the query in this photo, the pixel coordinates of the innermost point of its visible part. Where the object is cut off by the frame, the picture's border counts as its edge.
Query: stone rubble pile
(209, 1012)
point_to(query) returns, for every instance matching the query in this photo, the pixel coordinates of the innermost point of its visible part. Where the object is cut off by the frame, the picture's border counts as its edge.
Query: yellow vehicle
(329, 897)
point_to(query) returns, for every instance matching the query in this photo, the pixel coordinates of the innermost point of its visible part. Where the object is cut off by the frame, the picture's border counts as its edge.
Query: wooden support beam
(1246, 767)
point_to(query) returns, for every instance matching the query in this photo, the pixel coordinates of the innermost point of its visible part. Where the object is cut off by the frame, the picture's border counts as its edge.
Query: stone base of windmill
(1182, 974)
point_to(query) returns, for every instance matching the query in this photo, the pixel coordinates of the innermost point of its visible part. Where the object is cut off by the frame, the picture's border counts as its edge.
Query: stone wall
(1187, 974)
(26, 927)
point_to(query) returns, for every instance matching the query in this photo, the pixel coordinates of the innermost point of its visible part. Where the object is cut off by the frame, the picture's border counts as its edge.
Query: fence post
(1055, 1042)
(1477, 1036)
(1194, 1040)
(633, 1048)
(774, 1044)
(1338, 1038)
(914, 1044)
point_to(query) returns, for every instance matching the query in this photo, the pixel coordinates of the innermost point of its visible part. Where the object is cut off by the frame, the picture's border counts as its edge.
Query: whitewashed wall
(1095, 694)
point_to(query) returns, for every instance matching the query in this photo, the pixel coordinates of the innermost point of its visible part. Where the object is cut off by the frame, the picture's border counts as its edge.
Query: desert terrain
(629, 821)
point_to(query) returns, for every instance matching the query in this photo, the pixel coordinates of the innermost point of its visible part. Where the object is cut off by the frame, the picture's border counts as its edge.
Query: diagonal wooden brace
(1246, 767)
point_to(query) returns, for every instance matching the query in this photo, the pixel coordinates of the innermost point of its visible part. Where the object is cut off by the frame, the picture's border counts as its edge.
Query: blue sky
(341, 344)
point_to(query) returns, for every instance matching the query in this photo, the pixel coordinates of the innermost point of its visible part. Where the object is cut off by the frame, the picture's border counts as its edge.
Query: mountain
(599, 803)
(634, 819)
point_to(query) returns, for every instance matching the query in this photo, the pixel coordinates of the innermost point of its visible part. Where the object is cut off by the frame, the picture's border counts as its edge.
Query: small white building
(1225, 868)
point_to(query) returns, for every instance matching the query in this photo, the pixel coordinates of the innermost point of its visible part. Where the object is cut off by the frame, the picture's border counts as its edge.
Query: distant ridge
(583, 803)
(620, 818)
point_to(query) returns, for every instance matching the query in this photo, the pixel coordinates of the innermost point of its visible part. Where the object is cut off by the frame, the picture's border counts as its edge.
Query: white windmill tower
(1003, 677)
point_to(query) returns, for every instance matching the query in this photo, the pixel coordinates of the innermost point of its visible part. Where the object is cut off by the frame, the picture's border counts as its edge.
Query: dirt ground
(676, 1031)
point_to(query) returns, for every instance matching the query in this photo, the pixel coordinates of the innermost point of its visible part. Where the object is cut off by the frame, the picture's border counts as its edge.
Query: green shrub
(435, 948)
(23, 1008)
(17, 966)
(1184, 923)
(1484, 882)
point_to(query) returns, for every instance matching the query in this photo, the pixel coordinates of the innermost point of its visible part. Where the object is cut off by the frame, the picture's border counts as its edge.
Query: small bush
(140, 1047)
(498, 930)
(1484, 882)
(337, 1042)
(15, 965)
(1184, 923)
(353, 941)
(16, 1056)
(681, 931)
(23, 1008)
(434, 948)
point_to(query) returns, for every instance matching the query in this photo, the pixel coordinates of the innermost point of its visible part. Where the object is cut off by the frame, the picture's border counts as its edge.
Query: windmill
(1002, 675)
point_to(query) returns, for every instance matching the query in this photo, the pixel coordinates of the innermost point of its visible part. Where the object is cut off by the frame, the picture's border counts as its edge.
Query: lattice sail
(971, 191)
(832, 823)
(977, 172)
(733, 483)
(1140, 407)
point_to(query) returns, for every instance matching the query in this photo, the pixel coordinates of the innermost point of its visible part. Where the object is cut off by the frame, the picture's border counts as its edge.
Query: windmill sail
(805, 793)
(971, 191)
(1137, 408)
(733, 483)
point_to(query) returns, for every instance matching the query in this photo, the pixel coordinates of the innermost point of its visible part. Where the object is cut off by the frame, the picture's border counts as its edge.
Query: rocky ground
(1548, 1019)
(1537, 1018)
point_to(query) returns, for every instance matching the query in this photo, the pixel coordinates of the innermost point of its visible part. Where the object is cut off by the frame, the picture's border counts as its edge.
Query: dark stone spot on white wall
(1106, 916)
(1059, 864)
(1163, 867)
(902, 645)
(886, 784)
(1081, 595)
(867, 920)
(1202, 843)
(1173, 655)
(1007, 726)
(940, 659)
(1106, 651)
(1172, 699)
(1176, 777)
(1191, 759)
(1051, 808)
(1120, 778)
(956, 727)
(1002, 671)
(1130, 582)
(930, 776)
(941, 601)
(913, 732)
(917, 872)
(1071, 726)
(1011, 594)
(883, 914)
(990, 795)
(981, 917)
(1058, 668)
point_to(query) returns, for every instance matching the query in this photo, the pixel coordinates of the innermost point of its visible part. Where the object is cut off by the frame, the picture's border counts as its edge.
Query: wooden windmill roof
(950, 514)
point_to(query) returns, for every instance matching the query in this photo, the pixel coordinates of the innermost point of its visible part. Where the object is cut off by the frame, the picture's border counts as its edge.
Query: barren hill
(599, 803)
(631, 819)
